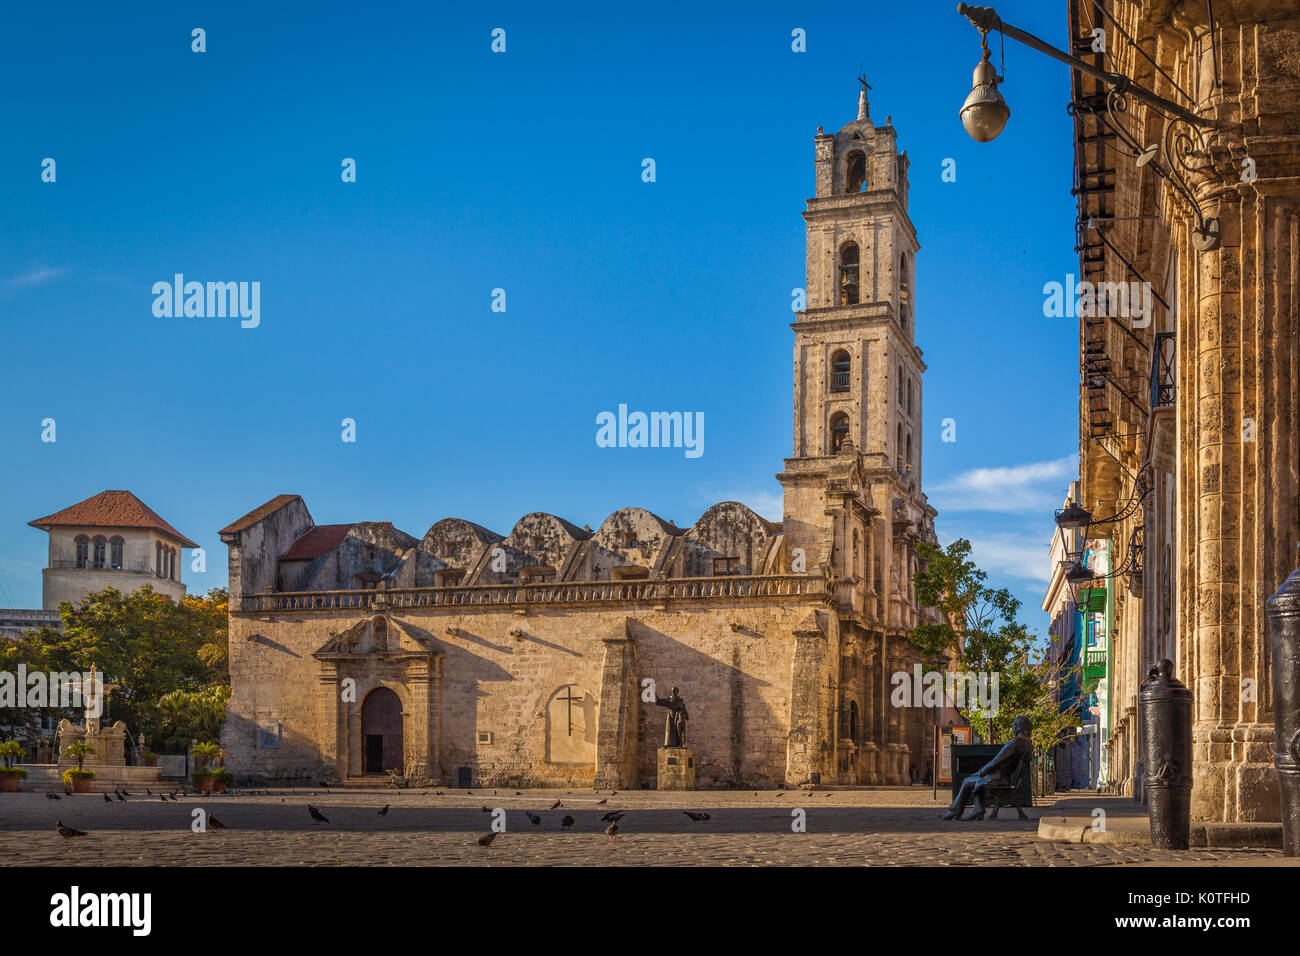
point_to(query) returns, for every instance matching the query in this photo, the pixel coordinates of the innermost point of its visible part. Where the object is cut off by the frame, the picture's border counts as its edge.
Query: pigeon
(316, 814)
(487, 838)
(148, 791)
(611, 831)
(107, 798)
(121, 797)
(556, 805)
(613, 816)
(487, 809)
(173, 796)
(53, 796)
(438, 792)
(601, 803)
(67, 832)
(162, 798)
(519, 793)
(383, 812)
(216, 824)
(470, 793)
(533, 818)
(613, 793)
(67, 791)
(566, 822)
(697, 817)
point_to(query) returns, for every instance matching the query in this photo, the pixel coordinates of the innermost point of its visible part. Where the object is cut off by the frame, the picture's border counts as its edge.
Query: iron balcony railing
(566, 592)
(1162, 371)
(1094, 662)
(839, 381)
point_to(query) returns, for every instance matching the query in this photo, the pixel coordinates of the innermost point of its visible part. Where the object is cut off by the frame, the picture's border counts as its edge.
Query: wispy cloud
(1009, 554)
(38, 276)
(1038, 486)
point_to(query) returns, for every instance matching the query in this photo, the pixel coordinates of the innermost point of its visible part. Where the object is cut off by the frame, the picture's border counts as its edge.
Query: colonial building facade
(472, 658)
(1190, 444)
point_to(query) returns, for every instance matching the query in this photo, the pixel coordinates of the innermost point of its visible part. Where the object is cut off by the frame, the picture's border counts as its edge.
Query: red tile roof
(320, 540)
(257, 514)
(111, 509)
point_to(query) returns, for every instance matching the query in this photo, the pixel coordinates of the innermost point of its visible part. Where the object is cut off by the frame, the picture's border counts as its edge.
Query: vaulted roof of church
(111, 509)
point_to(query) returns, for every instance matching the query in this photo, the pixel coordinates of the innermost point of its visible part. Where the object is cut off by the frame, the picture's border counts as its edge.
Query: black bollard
(1165, 707)
(1284, 624)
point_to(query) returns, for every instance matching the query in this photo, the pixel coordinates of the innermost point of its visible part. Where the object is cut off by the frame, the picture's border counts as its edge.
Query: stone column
(420, 757)
(332, 734)
(616, 727)
(1237, 352)
(896, 749)
(807, 730)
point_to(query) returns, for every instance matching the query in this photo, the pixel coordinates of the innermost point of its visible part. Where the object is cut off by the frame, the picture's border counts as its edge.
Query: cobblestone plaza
(880, 827)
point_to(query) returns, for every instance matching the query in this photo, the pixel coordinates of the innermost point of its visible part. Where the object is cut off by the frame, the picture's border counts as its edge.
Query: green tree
(978, 630)
(142, 644)
(191, 715)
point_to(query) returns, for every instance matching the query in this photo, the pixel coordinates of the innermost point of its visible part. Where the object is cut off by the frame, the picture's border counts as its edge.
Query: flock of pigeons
(566, 823)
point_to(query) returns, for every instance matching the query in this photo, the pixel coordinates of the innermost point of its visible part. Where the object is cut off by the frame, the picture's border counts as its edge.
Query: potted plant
(206, 779)
(148, 759)
(221, 777)
(11, 776)
(79, 779)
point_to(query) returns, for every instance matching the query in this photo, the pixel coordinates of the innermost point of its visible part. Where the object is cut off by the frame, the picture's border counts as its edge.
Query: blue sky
(522, 171)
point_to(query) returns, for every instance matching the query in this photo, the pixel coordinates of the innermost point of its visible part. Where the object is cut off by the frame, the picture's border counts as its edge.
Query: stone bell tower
(853, 501)
(857, 370)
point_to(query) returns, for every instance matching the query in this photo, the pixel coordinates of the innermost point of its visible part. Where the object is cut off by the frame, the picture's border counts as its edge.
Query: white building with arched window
(110, 540)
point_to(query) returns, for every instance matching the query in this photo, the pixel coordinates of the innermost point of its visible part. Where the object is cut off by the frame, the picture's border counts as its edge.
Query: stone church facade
(472, 658)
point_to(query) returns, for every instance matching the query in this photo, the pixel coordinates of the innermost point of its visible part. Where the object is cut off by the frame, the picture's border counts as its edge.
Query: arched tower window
(898, 445)
(115, 553)
(841, 368)
(908, 459)
(855, 172)
(849, 258)
(904, 292)
(83, 551)
(158, 558)
(900, 386)
(99, 552)
(839, 431)
(909, 398)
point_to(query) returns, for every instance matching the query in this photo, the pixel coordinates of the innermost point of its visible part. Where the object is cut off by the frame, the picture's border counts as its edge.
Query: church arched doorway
(381, 732)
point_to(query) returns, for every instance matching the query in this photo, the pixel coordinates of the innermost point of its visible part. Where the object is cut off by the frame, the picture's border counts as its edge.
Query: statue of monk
(675, 725)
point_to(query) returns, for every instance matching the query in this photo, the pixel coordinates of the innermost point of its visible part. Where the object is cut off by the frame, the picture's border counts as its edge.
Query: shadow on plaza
(268, 814)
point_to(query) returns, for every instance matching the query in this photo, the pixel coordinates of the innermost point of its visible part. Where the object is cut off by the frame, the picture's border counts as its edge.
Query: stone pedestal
(676, 768)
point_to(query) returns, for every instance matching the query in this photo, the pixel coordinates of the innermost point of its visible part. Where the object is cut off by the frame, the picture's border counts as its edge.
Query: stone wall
(498, 670)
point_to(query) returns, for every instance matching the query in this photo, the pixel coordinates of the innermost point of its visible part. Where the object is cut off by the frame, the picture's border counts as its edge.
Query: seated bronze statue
(996, 773)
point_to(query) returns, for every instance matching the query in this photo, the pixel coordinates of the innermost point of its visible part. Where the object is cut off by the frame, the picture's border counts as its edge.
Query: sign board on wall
(947, 737)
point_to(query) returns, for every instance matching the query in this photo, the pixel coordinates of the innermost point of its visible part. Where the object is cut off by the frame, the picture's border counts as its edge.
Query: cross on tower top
(864, 110)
